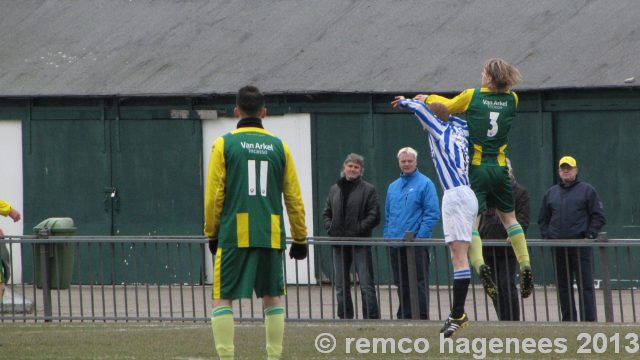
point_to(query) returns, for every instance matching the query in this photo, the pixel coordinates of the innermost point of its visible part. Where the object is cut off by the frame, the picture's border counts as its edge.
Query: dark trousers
(401, 279)
(575, 264)
(361, 258)
(505, 269)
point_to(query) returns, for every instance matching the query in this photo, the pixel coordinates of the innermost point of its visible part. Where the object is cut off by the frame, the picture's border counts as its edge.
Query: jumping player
(449, 142)
(490, 111)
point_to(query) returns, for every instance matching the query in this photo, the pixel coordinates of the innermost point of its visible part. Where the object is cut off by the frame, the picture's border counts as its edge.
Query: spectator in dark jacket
(572, 210)
(501, 258)
(352, 210)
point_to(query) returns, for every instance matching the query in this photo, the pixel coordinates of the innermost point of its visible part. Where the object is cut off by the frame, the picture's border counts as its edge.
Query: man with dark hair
(352, 210)
(251, 101)
(250, 171)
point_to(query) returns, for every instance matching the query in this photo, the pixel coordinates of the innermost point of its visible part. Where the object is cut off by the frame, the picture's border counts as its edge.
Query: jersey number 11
(264, 169)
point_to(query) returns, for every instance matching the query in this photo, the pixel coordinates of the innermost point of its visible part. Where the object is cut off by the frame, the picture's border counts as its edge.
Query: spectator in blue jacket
(572, 210)
(411, 205)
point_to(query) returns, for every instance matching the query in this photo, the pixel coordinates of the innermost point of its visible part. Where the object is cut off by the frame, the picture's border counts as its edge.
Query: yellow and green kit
(489, 117)
(250, 171)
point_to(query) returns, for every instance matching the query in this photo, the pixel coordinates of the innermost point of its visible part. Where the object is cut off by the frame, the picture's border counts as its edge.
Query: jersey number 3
(493, 122)
(251, 171)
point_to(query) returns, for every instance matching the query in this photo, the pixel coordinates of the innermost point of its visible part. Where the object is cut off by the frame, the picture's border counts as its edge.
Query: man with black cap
(572, 210)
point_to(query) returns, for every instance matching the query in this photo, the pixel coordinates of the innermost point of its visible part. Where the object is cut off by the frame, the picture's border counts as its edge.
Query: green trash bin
(61, 255)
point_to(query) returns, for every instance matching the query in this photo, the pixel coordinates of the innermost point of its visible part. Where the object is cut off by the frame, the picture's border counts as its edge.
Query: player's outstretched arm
(427, 119)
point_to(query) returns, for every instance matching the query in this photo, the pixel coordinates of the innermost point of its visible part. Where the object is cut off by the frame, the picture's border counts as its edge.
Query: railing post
(412, 270)
(606, 279)
(44, 275)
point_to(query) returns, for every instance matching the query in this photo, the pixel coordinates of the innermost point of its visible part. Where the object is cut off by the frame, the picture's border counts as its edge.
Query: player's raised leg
(519, 245)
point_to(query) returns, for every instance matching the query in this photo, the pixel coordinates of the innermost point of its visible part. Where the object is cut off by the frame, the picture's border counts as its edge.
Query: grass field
(194, 341)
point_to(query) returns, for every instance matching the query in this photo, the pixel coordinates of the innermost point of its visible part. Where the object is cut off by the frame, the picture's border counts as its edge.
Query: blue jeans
(575, 264)
(401, 280)
(360, 256)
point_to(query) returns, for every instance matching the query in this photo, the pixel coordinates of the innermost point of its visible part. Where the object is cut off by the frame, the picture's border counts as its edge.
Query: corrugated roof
(107, 47)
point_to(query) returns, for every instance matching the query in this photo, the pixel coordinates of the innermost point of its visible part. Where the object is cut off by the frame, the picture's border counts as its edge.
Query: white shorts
(459, 211)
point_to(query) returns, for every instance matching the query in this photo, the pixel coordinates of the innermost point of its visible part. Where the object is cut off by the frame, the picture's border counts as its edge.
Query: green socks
(475, 251)
(274, 331)
(519, 245)
(222, 327)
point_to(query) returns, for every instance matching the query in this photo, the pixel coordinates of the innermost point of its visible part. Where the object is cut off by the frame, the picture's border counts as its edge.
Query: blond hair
(407, 150)
(503, 75)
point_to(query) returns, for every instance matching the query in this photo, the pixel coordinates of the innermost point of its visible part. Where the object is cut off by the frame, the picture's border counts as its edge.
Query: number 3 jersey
(250, 171)
(489, 116)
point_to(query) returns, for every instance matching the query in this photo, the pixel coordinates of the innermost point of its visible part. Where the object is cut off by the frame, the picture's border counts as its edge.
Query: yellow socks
(274, 331)
(519, 245)
(222, 327)
(475, 251)
(223, 331)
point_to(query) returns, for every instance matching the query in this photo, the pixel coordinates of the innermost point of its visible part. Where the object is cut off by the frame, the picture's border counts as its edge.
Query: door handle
(112, 196)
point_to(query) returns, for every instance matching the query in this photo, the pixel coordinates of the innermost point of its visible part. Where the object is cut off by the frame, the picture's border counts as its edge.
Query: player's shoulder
(250, 129)
(469, 92)
(456, 121)
(219, 141)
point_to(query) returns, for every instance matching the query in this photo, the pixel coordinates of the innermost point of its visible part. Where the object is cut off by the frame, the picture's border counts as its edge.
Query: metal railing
(83, 278)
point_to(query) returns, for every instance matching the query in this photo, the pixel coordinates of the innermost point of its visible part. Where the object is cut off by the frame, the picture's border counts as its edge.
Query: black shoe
(487, 282)
(526, 282)
(451, 325)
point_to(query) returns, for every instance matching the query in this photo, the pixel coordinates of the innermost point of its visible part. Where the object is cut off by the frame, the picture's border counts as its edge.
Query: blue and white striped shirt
(449, 143)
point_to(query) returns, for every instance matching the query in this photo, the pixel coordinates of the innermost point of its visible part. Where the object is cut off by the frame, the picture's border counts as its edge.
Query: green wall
(75, 149)
(598, 128)
(78, 152)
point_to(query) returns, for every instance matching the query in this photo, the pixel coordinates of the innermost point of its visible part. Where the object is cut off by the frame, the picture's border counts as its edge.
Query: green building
(108, 109)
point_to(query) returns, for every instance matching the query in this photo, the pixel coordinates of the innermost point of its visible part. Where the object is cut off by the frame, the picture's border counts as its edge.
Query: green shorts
(492, 186)
(237, 272)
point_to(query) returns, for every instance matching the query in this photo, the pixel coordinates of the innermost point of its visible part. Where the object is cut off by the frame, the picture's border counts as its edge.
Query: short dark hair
(250, 101)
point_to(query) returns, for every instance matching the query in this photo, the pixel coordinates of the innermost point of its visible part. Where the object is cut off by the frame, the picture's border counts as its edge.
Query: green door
(157, 176)
(328, 158)
(603, 142)
(117, 172)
